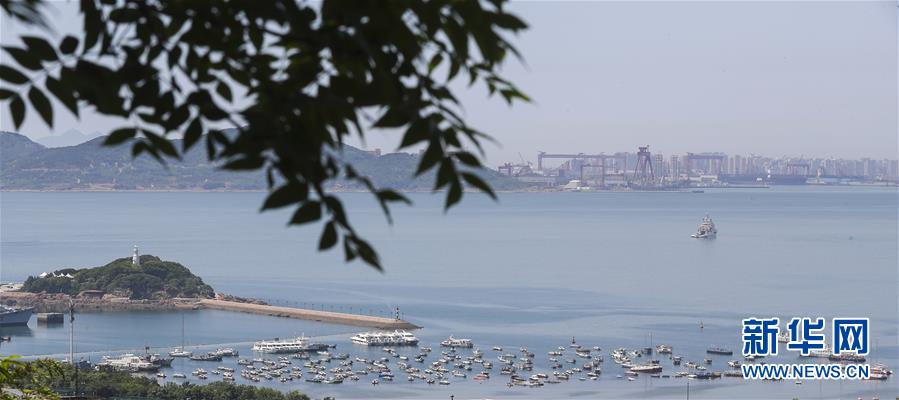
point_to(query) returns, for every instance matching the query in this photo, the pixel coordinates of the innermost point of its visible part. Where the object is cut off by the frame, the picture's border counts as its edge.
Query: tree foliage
(295, 79)
(27, 380)
(40, 377)
(153, 278)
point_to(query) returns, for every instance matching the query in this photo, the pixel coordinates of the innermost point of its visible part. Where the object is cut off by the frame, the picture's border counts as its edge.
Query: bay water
(530, 270)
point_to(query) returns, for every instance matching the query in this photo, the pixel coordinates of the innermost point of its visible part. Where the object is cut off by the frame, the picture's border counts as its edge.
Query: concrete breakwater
(299, 313)
(59, 303)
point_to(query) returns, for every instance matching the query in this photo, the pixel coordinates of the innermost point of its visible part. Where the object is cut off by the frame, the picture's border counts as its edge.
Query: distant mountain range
(26, 165)
(70, 137)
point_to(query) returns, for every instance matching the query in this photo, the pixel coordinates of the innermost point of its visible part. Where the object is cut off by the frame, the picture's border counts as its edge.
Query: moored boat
(720, 351)
(12, 316)
(395, 338)
(453, 342)
(295, 345)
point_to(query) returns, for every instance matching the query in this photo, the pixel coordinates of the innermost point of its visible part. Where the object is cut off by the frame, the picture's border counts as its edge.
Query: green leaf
(223, 90)
(192, 134)
(119, 136)
(390, 195)
(432, 155)
(124, 15)
(42, 104)
(329, 236)
(40, 47)
(17, 109)
(468, 159)
(62, 93)
(446, 173)
(310, 211)
(68, 45)
(393, 118)
(24, 58)
(348, 250)
(245, 163)
(12, 76)
(367, 253)
(453, 195)
(435, 61)
(284, 196)
(160, 143)
(479, 183)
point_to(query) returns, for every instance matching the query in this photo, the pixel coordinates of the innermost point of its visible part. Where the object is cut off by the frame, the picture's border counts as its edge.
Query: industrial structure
(644, 170)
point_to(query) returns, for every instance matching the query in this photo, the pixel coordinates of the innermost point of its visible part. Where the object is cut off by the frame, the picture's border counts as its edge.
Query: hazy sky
(771, 78)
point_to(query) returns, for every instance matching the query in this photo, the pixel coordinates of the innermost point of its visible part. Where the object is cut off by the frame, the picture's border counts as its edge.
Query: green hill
(152, 279)
(26, 165)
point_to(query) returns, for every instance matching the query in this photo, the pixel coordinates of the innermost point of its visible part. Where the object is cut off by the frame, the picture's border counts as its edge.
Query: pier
(299, 313)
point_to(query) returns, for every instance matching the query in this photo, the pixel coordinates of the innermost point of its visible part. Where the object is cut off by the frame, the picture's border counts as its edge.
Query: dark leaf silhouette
(293, 79)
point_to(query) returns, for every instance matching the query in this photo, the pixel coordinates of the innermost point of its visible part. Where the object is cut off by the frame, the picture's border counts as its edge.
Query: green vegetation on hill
(152, 279)
(45, 376)
(26, 165)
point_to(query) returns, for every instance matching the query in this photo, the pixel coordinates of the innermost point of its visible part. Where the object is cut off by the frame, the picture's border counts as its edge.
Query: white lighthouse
(135, 257)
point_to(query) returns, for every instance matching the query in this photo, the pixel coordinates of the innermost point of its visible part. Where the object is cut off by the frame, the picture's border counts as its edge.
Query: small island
(146, 277)
(147, 283)
(139, 282)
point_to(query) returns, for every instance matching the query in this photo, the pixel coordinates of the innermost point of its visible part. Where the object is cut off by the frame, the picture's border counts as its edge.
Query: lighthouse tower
(135, 257)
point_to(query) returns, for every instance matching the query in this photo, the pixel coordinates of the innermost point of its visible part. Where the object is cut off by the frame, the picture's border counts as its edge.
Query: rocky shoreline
(59, 303)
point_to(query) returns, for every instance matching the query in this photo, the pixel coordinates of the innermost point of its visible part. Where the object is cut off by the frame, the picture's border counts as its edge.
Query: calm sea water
(533, 270)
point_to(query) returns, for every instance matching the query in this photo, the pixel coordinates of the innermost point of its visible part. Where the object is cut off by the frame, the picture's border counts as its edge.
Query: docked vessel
(127, 363)
(180, 352)
(159, 360)
(706, 230)
(226, 352)
(10, 316)
(647, 368)
(847, 358)
(395, 338)
(211, 356)
(453, 342)
(720, 350)
(296, 345)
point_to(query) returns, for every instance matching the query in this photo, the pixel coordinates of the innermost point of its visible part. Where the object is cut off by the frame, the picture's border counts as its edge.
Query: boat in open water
(706, 230)
(453, 342)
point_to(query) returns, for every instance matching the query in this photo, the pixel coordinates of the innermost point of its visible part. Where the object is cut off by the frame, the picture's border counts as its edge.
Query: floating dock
(50, 318)
(300, 313)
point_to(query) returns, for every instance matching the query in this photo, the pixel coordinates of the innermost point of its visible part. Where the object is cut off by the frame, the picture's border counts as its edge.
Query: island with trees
(150, 279)
(150, 284)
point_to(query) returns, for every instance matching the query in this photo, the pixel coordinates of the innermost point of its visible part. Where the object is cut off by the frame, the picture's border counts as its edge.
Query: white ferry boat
(453, 342)
(296, 345)
(395, 338)
(10, 316)
(706, 230)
